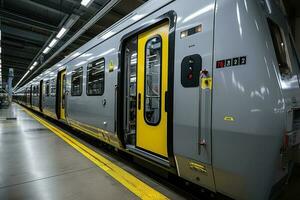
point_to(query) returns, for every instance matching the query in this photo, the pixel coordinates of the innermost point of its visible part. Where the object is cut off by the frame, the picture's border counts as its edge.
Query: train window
(53, 87)
(33, 91)
(280, 48)
(95, 77)
(152, 96)
(37, 91)
(47, 88)
(76, 83)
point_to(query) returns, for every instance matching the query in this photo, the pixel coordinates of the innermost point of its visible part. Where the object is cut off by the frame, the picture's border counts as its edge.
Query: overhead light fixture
(61, 33)
(35, 63)
(137, 17)
(86, 3)
(46, 50)
(31, 68)
(53, 43)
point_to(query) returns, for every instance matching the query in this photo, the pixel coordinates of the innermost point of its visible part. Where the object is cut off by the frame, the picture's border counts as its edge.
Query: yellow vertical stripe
(132, 183)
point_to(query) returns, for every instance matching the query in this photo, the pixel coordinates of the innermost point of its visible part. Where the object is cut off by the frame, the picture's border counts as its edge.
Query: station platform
(38, 163)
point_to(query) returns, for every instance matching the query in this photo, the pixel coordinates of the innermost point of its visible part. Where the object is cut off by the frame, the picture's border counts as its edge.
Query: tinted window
(95, 77)
(47, 88)
(33, 91)
(280, 47)
(53, 87)
(76, 82)
(152, 81)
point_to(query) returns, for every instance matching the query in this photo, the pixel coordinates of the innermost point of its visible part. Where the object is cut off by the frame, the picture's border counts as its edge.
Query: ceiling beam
(15, 58)
(7, 16)
(15, 63)
(22, 33)
(16, 68)
(12, 40)
(47, 6)
(20, 53)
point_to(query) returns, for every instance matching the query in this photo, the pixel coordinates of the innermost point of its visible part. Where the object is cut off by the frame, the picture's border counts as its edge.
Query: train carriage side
(255, 85)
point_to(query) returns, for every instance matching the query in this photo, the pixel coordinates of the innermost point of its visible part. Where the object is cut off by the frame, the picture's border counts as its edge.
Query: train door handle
(139, 101)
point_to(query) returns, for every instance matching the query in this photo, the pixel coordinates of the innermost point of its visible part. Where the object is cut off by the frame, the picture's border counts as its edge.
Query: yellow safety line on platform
(132, 183)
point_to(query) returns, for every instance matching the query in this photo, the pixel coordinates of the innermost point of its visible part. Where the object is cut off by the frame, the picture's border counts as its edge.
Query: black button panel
(190, 70)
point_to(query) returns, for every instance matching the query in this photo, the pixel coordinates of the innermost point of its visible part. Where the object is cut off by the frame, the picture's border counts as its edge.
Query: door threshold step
(148, 155)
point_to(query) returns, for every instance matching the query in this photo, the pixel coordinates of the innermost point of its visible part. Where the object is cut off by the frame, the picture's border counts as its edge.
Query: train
(206, 90)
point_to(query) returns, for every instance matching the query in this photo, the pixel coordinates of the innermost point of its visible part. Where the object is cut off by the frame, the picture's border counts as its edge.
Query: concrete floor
(36, 164)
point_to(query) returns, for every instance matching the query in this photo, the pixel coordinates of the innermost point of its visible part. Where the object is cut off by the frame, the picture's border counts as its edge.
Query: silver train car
(208, 90)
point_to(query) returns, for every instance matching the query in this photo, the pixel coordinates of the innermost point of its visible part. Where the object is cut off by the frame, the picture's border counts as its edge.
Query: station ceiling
(27, 27)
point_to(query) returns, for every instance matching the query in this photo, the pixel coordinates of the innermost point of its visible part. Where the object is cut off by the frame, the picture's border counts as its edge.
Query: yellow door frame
(152, 138)
(62, 95)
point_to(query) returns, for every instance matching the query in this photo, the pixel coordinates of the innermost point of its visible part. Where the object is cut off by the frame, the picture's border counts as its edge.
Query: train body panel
(227, 97)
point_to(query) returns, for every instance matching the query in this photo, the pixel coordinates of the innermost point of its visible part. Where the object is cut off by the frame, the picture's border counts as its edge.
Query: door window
(152, 95)
(64, 90)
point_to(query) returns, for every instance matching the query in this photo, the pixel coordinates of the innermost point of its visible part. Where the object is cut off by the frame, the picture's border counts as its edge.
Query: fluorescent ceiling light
(35, 63)
(31, 68)
(46, 50)
(107, 35)
(137, 17)
(86, 3)
(53, 43)
(61, 32)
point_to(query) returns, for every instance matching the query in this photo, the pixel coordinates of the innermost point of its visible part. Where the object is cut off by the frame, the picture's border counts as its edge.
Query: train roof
(130, 19)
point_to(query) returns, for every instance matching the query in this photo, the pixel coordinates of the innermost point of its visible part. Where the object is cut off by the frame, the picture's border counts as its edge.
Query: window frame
(87, 78)
(81, 82)
(160, 81)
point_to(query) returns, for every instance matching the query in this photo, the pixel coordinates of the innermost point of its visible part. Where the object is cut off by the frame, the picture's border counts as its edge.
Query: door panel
(62, 88)
(152, 84)
(41, 97)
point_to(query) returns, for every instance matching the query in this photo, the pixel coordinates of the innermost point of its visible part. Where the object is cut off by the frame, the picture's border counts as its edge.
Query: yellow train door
(152, 84)
(62, 94)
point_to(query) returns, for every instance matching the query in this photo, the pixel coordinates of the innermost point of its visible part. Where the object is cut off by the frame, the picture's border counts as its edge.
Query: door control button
(190, 71)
